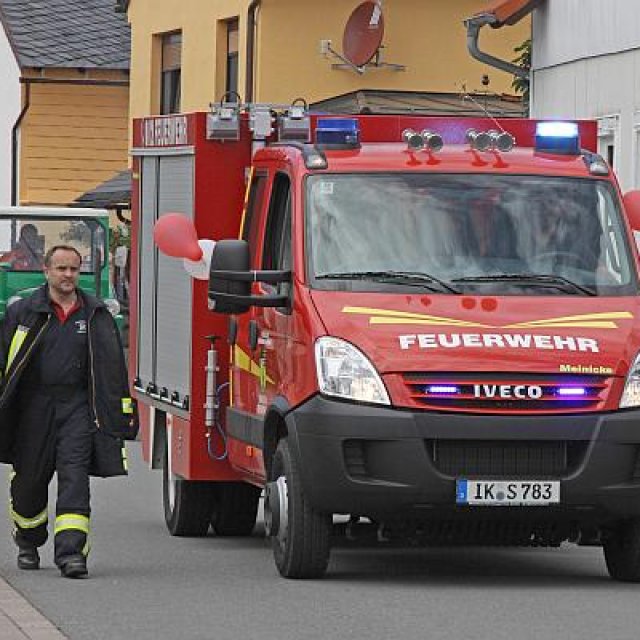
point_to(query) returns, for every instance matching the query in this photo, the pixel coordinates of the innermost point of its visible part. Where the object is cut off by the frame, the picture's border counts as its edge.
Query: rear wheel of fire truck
(235, 508)
(300, 534)
(187, 504)
(622, 551)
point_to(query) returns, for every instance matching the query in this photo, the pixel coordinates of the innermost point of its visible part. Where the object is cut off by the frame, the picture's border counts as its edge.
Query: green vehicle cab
(27, 233)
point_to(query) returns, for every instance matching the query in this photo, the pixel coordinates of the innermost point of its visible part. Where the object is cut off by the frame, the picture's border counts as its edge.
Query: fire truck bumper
(381, 462)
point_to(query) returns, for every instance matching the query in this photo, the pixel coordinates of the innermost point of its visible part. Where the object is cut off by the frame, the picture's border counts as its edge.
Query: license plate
(507, 492)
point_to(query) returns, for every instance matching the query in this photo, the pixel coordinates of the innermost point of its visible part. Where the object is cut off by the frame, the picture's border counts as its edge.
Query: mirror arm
(254, 301)
(269, 277)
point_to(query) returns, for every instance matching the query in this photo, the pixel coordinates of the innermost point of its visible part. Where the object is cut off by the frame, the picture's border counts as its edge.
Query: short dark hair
(59, 247)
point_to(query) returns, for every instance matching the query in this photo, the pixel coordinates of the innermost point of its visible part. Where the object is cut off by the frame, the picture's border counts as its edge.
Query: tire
(187, 504)
(303, 549)
(622, 551)
(235, 508)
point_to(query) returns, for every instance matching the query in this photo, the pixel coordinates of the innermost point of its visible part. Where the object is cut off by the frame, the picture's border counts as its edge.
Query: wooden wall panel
(73, 138)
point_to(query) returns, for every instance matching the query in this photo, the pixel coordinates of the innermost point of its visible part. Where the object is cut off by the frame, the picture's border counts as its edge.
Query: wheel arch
(275, 428)
(158, 439)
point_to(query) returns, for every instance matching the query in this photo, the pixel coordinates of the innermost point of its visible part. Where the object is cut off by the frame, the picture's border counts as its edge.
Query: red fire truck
(423, 329)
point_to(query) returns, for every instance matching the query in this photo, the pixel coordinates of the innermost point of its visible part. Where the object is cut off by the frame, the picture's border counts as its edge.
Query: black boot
(28, 558)
(74, 567)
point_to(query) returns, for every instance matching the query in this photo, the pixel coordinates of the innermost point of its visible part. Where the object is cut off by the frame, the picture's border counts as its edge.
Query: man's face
(63, 272)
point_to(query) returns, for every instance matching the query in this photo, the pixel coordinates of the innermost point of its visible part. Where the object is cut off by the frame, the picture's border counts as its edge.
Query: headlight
(631, 393)
(113, 305)
(344, 372)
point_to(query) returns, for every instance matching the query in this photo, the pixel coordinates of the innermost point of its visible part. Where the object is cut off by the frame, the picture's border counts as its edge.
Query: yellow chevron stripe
(588, 317)
(553, 325)
(436, 323)
(422, 318)
(243, 361)
(602, 320)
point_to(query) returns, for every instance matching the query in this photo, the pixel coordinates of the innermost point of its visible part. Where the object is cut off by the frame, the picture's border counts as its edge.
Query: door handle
(253, 335)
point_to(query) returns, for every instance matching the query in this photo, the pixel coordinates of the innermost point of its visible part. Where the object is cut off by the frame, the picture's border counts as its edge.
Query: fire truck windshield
(486, 234)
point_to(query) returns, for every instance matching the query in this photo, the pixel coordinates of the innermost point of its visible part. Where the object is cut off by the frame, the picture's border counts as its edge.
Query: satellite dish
(363, 33)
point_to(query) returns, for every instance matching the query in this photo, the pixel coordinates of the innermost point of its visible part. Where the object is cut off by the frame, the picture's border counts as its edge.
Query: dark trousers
(54, 435)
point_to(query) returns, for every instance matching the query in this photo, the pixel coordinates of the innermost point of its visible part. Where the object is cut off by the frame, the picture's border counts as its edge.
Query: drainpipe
(14, 143)
(251, 44)
(474, 25)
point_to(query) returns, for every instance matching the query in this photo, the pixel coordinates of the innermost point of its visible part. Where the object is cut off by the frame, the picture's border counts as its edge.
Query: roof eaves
(509, 12)
(4, 24)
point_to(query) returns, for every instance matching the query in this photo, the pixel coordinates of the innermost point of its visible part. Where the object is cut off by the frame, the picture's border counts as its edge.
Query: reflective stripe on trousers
(71, 521)
(29, 523)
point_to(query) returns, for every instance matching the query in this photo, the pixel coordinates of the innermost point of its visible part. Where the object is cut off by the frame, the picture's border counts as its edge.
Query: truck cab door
(274, 351)
(244, 372)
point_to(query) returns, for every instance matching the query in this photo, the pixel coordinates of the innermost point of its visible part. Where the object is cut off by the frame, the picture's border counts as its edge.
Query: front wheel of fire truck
(622, 551)
(235, 509)
(188, 504)
(300, 535)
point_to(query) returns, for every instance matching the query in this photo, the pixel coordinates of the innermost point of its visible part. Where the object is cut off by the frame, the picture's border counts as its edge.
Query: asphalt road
(146, 584)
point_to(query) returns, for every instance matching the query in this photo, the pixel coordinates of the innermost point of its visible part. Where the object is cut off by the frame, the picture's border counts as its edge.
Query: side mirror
(225, 293)
(631, 201)
(230, 280)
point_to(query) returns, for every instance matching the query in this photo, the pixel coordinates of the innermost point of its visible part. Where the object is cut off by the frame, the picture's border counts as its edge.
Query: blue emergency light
(558, 137)
(570, 392)
(338, 133)
(447, 389)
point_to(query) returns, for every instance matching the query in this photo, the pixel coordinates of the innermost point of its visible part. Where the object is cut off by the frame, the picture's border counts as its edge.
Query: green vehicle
(27, 233)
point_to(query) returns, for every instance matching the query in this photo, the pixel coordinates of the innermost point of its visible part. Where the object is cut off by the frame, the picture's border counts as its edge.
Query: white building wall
(586, 64)
(9, 111)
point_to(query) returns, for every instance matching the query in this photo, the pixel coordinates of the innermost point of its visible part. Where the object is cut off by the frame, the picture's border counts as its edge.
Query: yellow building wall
(427, 36)
(73, 137)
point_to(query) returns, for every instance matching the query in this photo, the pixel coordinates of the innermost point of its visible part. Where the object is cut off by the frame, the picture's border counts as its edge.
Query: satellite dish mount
(362, 40)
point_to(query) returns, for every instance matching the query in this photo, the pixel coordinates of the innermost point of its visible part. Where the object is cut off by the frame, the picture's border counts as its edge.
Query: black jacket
(112, 409)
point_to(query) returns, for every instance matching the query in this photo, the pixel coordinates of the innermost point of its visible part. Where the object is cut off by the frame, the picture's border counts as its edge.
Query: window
(277, 241)
(608, 135)
(498, 235)
(251, 225)
(24, 241)
(231, 81)
(171, 73)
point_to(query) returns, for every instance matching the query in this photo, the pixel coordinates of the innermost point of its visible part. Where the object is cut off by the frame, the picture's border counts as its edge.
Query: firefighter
(64, 409)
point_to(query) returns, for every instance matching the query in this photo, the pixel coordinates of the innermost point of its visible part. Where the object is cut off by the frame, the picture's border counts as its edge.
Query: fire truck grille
(505, 392)
(504, 459)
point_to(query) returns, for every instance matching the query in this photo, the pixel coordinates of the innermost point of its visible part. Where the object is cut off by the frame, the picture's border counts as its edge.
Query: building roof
(115, 193)
(382, 102)
(67, 33)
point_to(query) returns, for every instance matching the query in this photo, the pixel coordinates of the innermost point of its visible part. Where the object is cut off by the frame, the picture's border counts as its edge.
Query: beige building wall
(427, 36)
(74, 135)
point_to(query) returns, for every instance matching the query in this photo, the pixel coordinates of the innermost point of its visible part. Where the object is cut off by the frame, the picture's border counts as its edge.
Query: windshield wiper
(533, 278)
(410, 278)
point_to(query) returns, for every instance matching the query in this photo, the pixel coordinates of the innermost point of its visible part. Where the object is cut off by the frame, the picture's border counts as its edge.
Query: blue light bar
(558, 137)
(338, 133)
(442, 388)
(572, 391)
(557, 129)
